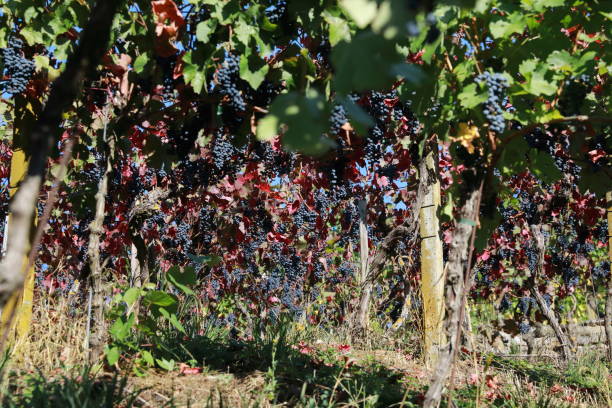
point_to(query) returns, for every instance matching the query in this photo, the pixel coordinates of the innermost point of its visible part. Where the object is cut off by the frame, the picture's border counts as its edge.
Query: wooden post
(432, 263)
(17, 314)
(608, 316)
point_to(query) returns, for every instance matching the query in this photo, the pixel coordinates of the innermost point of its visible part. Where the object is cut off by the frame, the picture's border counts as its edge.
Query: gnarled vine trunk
(364, 302)
(540, 241)
(96, 277)
(406, 232)
(83, 61)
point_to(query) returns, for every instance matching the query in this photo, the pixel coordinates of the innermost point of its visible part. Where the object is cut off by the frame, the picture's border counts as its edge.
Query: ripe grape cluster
(565, 165)
(222, 152)
(555, 145)
(337, 118)
(526, 304)
(601, 270)
(529, 208)
(493, 108)
(524, 327)
(183, 236)
(389, 171)
(17, 68)
(206, 224)
(167, 66)
(228, 77)
(305, 218)
(276, 12)
(538, 139)
(92, 174)
(264, 94)
(575, 91)
(532, 258)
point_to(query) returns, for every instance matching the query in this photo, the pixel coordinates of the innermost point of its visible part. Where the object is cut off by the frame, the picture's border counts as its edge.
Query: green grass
(69, 391)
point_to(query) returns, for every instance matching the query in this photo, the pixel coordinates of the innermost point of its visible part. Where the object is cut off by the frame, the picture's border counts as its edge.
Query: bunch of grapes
(566, 165)
(378, 108)
(167, 66)
(525, 305)
(182, 235)
(276, 12)
(206, 224)
(223, 154)
(601, 270)
(493, 108)
(529, 208)
(264, 94)
(92, 174)
(228, 77)
(337, 119)
(524, 327)
(18, 69)
(575, 91)
(305, 218)
(532, 258)
(538, 139)
(389, 171)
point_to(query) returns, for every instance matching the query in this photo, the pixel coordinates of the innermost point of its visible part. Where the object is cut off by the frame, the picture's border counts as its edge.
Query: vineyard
(325, 203)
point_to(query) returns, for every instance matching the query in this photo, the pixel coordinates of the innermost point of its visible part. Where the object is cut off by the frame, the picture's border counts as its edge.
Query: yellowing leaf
(466, 136)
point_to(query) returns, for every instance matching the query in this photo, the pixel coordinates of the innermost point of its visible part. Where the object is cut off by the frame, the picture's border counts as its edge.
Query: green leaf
(514, 23)
(205, 29)
(464, 69)
(350, 59)
(245, 32)
(210, 260)
(182, 279)
(32, 35)
(484, 232)
(358, 118)
(267, 127)
(338, 29)
(540, 5)
(167, 365)
(30, 13)
(305, 119)
(446, 212)
(361, 11)
(471, 97)
(561, 60)
(159, 298)
(131, 295)
(596, 182)
(177, 324)
(253, 69)
(112, 355)
(518, 156)
(193, 73)
(410, 72)
(120, 330)
(116, 330)
(542, 165)
(535, 72)
(140, 62)
(147, 357)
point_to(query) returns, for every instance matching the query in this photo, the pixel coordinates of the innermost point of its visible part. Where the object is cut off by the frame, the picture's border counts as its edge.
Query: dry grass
(56, 338)
(207, 389)
(55, 347)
